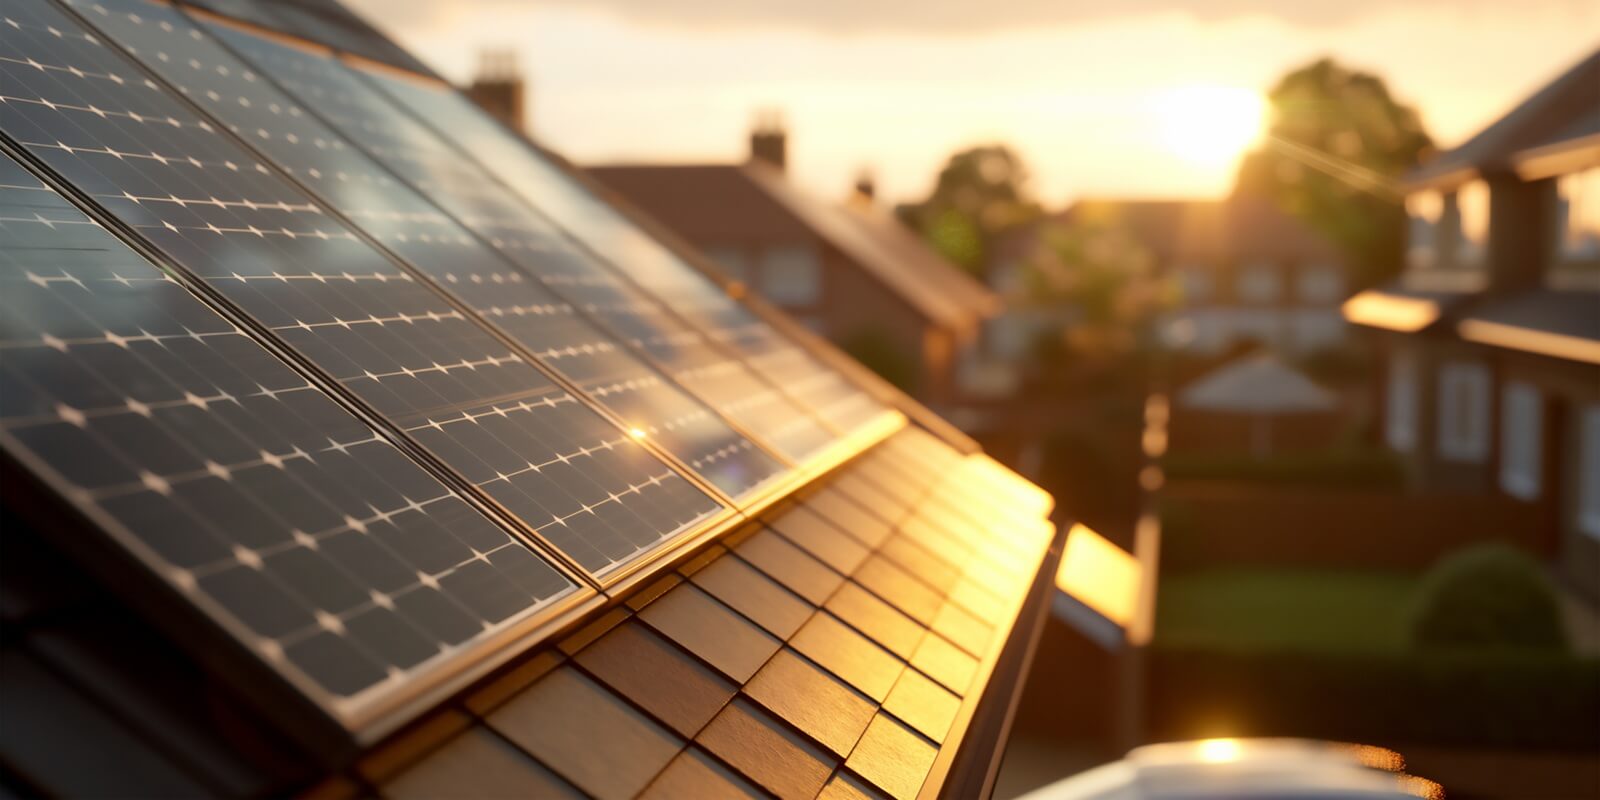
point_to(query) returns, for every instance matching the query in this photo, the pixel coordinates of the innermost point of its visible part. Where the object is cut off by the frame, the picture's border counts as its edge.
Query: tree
(1337, 144)
(980, 192)
(1108, 280)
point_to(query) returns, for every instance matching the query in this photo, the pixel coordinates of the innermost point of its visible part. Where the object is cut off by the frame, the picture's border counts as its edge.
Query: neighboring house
(1241, 269)
(1492, 334)
(848, 270)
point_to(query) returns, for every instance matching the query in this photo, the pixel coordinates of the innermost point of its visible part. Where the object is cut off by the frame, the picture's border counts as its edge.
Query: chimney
(499, 88)
(769, 143)
(866, 186)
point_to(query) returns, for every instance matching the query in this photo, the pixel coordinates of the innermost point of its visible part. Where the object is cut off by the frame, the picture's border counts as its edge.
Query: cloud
(846, 17)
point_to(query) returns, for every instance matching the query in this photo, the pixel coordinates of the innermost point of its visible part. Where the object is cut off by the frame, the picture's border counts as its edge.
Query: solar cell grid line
(258, 242)
(543, 326)
(544, 252)
(300, 529)
(632, 252)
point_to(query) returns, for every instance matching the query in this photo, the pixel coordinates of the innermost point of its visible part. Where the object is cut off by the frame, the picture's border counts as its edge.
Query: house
(351, 446)
(1240, 269)
(1491, 335)
(847, 270)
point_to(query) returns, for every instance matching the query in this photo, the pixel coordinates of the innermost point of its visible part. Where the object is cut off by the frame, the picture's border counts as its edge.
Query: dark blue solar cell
(627, 248)
(226, 472)
(447, 249)
(262, 243)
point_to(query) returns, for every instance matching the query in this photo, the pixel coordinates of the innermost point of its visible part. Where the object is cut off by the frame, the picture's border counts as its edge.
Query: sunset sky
(1137, 98)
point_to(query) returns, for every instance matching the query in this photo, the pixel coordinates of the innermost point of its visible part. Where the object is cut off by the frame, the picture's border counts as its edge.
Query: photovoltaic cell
(416, 229)
(322, 547)
(629, 249)
(435, 372)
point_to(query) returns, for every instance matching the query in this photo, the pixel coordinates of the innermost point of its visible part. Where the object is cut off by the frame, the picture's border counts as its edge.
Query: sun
(1208, 125)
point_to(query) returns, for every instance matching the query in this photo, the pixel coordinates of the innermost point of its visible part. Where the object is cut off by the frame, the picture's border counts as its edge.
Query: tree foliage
(980, 192)
(1108, 278)
(1337, 143)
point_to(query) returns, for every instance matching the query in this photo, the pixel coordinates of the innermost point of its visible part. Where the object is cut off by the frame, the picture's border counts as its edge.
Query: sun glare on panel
(1208, 125)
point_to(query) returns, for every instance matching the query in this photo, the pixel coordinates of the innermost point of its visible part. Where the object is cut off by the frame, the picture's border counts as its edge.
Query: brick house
(1491, 336)
(847, 270)
(1240, 269)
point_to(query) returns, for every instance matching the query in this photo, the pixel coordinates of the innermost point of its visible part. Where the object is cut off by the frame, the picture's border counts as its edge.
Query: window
(1425, 210)
(731, 259)
(1521, 432)
(1472, 209)
(1320, 284)
(1578, 216)
(1259, 283)
(1195, 283)
(1589, 471)
(1401, 417)
(791, 276)
(1464, 412)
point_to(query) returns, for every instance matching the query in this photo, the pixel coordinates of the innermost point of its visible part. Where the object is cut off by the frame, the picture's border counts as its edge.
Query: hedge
(1496, 698)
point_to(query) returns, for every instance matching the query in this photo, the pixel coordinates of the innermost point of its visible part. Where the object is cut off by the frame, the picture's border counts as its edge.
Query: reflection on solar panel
(423, 364)
(371, 423)
(545, 326)
(304, 532)
(645, 260)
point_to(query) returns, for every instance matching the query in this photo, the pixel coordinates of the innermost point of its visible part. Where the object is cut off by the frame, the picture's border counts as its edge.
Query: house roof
(1566, 102)
(1258, 384)
(1558, 323)
(1198, 232)
(754, 202)
(366, 493)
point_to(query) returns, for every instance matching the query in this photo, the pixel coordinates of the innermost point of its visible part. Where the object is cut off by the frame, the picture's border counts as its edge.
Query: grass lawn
(1284, 609)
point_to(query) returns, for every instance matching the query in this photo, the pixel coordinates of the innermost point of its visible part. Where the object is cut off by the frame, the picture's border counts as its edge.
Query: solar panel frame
(40, 492)
(607, 573)
(682, 282)
(429, 227)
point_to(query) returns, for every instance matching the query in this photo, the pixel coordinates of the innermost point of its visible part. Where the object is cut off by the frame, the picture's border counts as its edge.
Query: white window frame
(1402, 403)
(1320, 284)
(1464, 395)
(1589, 470)
(791, 275)
(1521, 440)
(1259, 283)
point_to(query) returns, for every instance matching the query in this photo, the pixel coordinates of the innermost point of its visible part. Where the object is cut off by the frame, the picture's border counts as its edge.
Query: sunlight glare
(1208, 125)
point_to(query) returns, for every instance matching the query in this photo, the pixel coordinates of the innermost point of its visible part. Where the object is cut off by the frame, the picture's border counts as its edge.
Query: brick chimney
(499, 88)
(866, 186)
(769, 142)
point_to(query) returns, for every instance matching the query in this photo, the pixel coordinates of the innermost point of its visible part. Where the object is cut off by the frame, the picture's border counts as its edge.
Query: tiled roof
(470, 486)
(1193, 231)
(1562, 102)
(835, 648)
(756, 203)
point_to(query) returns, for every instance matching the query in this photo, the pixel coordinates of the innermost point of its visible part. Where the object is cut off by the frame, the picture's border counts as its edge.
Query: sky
(1136, 98)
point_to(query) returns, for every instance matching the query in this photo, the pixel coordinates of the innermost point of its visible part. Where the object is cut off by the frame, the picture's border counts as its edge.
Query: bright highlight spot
(1208, 125)
(637, 433)
(1217, 751)
(1100, 575)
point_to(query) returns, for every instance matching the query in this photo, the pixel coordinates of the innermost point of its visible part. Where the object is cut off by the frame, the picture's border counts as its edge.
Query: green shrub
(1487, 596)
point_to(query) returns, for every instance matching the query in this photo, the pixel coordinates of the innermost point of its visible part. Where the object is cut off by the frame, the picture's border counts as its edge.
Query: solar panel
(547, 327)
(423, 364)
(300, 529)
(629, 249)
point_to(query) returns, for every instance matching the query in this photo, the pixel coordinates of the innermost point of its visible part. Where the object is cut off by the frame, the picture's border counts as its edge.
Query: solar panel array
(374, 394)
(386, 207)
(259, 241)
(642, 259)
(305, 531)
